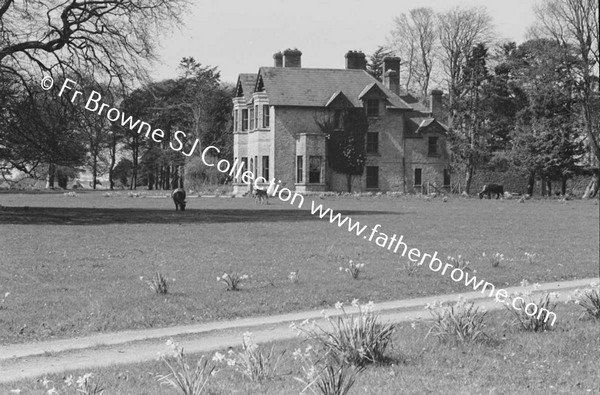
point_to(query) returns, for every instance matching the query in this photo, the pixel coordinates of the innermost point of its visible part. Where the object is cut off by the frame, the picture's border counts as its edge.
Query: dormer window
(338, 119)
(372, 107)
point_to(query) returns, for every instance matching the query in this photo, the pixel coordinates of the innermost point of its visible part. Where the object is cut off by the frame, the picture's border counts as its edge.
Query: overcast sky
(240, 36)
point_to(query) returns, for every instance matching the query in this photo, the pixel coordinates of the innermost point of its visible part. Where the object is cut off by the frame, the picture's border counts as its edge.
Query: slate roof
(290, 86)
(417, 122)
(246, 83)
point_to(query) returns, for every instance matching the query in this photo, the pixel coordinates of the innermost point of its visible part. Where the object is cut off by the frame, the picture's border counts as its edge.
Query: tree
(108, 38)
(547, 139)
(468, 139)
(42, 130)
(375, 64)
(460, 29)
(414, 38)
(346, 147)
(574, 23)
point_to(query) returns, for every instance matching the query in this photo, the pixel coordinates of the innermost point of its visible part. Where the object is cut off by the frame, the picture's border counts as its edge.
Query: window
(446, 177)
(244, 120)
(299, 169)
(338, 119)
(251, 169)
(235, 120)
(372, 107)
(314, 169)
(418, 180)
(252, 119)
(266, 109)
(265, 167)
(244, 166)
(256, 117)
(372, 142)
(432, 146)
(372, 177)
(255, 170)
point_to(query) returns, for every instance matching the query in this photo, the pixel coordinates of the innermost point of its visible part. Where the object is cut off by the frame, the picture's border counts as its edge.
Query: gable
(339, 100)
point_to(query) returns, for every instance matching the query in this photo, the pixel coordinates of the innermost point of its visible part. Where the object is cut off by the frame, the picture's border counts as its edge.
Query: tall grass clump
(536, 318)
(159, 284)
(495, 259)
(185, 379)
(353, 269)
(359, 339)
(251, 361)
(233, 281)
(589, 300)
(459, 323)
(327, 375)
(459, 263)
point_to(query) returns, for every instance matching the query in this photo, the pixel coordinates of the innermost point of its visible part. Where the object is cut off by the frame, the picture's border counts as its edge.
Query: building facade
(276, 131)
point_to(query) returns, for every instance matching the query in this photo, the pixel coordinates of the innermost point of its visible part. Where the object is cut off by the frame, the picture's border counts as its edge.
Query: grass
(564, 360)
(73, 265)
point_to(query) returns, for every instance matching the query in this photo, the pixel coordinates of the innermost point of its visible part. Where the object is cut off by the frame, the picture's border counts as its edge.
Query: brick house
(276, 134)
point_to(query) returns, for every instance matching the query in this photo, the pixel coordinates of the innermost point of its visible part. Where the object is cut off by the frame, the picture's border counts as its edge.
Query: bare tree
(460, 29)
(111, 38)
(414, 39)
(574, 23)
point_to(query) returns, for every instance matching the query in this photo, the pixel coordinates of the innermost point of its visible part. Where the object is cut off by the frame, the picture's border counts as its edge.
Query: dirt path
(37, 359)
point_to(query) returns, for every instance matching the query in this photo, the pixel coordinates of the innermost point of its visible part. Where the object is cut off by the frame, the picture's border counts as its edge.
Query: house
(276, 115)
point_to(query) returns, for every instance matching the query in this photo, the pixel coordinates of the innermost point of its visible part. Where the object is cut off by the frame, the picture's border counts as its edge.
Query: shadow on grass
(105, 216)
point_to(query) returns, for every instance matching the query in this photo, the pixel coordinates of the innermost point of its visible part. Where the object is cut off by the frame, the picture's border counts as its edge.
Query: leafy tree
(122, 171)
(346, 147)
(375, 64)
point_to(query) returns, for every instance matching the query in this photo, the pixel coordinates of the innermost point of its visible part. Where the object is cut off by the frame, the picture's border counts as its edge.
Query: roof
(291, 86)
(245, 85)
(418, 123)
(414, 102)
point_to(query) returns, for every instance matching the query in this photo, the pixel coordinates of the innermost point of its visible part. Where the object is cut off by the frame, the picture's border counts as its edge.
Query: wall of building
(432, 167)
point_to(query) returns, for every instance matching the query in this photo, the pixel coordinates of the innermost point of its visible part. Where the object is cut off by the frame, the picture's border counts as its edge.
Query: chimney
(278, 56)
(436, 104)
(291, 58)
(391, 73)
(355, 60)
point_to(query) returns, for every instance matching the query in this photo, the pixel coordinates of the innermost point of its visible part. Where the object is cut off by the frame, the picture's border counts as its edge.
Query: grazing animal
(178, 196)
(260, 196)
(492, 188)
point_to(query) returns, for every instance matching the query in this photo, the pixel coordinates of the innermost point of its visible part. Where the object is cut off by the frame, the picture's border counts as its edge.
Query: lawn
(78, 265)
(565, 360)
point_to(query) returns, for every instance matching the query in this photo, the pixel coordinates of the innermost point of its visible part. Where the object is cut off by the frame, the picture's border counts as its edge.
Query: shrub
(459, 263)
(83, 385)
(233, 281)
(254, 364)
(410, 267)
(183, 378)
(495, 259)
(544, 306)
(530, 257)
(159, 284)
(326, 376)
(589, 299)
(358, 339)
(353, 269)
(294, 276)
(459, 323)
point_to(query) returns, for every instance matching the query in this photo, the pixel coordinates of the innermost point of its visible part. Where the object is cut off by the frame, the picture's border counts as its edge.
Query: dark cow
(178, 196)
(492, 188)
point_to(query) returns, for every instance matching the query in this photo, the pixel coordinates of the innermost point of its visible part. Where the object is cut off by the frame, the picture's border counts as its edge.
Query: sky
(241, 36)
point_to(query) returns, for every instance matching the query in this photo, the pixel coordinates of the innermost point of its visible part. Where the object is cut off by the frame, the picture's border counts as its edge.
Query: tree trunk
(469, 177)
(95, 170)
(531, 183)
(592, 189)
(51, 175)
(563, 186)
(549, 184)
(113, 160)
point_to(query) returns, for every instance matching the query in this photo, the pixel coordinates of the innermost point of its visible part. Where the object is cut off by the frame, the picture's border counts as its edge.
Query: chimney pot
(391, 73)
(278, 57)
(292, 58)
(436, 104)
(355, 60)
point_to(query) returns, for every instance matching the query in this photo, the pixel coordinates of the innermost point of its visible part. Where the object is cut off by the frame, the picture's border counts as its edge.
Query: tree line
(534, 106)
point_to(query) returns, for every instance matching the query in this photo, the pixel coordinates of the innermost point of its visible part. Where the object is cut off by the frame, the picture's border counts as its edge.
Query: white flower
(524, 283)
(355, 302)
(536, 286)
(218, 278)
(51, 391)
(231, 362)
(339, 305)
(45, 382)
(369, 307)
(69, 380)
(413, 324)
(218, 357)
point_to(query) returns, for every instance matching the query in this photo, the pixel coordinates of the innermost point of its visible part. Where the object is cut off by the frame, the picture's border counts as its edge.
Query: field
(564, 361)
(78, 265)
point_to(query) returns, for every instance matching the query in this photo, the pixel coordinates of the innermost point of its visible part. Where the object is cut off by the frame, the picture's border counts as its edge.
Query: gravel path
(36, 359)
